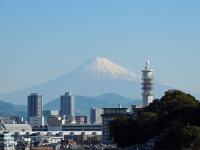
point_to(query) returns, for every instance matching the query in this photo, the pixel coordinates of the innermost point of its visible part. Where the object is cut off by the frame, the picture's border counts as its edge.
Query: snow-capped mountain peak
(104, 68)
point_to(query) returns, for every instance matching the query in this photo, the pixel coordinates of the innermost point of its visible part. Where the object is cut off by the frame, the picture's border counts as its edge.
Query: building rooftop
(115, 108)
(18, 127)
(33, 94)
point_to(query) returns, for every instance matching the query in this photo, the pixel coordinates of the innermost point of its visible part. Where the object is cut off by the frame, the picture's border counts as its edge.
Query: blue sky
(41, 40)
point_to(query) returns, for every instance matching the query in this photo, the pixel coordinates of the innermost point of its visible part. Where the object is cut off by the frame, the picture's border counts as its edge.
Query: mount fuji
(93, 78)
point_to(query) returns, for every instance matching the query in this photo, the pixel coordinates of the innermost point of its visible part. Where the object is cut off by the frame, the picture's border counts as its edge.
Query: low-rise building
(36, 121)
(79, 120)
(86, 119)
(6, 141)
(22, 145)
(55, 123)
(136, 109)
(6, 120)
(17, 119)
(17, 128)
(41, 128)
(48, 113)
(82, 127)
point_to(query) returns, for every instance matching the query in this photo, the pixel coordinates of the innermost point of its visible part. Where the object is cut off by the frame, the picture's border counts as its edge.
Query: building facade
(55, 123)
(48, 113)
(6, 141)
(20, 128)
(36, 121)
(147, 85)
(136, 109)
(79, 120)
(85, 119)
(67, 106)
(17, 119)
(95, 115)
(34, 105)
(82, 127)
(108, 115)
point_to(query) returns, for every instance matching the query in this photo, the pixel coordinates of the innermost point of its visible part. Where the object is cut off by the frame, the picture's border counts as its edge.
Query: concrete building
(48, 113)
(136, 109)
(79, 120)
(6, 120)
(147, 77)
(17, 119)
(95, 115)
(13, 128)
(108, 115)
(6, 141)
(34, 105)
(36, 121)
(67, 106)
(22, 145)
(41, 128)
(55, 123)
(82, 127)
(85, 119)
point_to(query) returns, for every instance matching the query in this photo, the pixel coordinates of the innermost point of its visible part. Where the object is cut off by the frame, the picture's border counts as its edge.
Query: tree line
(176, 115)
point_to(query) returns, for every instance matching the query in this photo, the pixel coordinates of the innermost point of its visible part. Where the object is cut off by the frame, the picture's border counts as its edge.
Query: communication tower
(147, 85)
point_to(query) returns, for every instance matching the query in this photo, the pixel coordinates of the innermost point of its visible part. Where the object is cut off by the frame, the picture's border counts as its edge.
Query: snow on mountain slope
(93, 78)
(104, 68)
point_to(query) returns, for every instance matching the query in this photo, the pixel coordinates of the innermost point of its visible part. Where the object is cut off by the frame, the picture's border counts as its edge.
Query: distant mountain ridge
(82, 104)
(92, 78)
(8, 109)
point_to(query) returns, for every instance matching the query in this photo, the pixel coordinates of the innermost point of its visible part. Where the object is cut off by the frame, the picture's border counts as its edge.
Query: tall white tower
(147, 77)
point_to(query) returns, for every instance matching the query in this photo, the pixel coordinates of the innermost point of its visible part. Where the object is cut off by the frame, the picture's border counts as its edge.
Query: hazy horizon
(42, 40)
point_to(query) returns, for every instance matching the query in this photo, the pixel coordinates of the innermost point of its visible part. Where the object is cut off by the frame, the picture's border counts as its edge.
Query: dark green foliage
(117, 129)
(176, 115)
(190, 137)
(180, 136)
(172, 139)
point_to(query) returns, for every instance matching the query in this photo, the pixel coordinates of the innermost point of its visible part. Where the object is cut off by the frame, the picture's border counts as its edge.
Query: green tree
(117, 130)
(190, 137)
(176, 114)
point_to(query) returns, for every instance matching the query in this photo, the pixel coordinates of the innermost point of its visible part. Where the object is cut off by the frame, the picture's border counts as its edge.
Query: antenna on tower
(147, 65)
